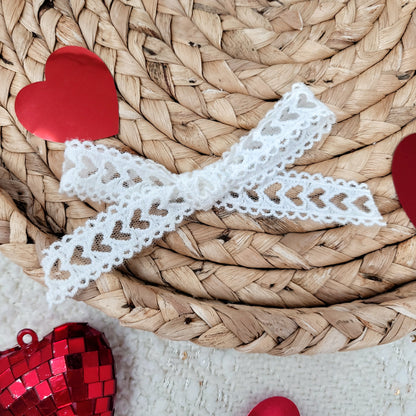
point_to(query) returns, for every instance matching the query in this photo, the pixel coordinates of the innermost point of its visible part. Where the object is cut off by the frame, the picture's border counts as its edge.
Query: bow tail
(106, 241)
(294, 195)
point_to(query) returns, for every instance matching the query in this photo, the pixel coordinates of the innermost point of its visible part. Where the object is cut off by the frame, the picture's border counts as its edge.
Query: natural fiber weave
(192, 77)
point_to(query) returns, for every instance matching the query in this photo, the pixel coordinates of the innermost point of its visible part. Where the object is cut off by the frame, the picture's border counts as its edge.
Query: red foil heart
(78, 100)
(275, 406)
(403, 171)
(70, 372)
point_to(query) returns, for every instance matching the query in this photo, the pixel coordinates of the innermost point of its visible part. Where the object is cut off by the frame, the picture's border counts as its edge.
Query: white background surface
(159, 377)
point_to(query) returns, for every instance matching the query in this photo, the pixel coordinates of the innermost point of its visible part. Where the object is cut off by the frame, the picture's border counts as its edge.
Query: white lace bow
(148, 200)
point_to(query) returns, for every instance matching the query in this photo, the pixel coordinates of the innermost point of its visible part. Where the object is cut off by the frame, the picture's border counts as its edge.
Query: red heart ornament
(78, 100)
(70, 372)
(275, 406)
(403, 171)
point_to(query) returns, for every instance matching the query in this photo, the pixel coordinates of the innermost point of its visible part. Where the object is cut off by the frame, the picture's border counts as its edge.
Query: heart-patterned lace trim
(148, 200)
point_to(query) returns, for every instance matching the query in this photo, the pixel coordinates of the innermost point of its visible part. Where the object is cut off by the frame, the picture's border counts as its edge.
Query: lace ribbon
(148, 200)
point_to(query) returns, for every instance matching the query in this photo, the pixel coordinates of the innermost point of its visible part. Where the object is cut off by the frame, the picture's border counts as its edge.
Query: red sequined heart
(78, 100)
(69, 373)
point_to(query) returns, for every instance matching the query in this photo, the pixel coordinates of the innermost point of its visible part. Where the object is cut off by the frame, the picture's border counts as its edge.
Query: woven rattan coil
(192, 78)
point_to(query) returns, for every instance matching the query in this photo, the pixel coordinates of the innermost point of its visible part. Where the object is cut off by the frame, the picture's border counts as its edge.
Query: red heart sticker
(78, 100)
(70, 372)
(403, 171)
(275, 406)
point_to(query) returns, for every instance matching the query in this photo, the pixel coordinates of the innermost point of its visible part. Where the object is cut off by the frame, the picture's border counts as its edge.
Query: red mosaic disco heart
(78, 100)
(403, 171)
(275, 406)
(70, 372)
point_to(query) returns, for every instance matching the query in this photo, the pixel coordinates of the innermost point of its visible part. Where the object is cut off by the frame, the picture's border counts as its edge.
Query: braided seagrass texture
(192, 77)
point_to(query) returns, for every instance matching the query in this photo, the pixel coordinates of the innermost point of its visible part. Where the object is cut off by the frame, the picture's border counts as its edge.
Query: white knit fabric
(148, 200)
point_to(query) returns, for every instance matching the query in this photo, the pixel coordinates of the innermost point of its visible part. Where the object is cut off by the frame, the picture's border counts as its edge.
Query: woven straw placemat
(192, 78)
